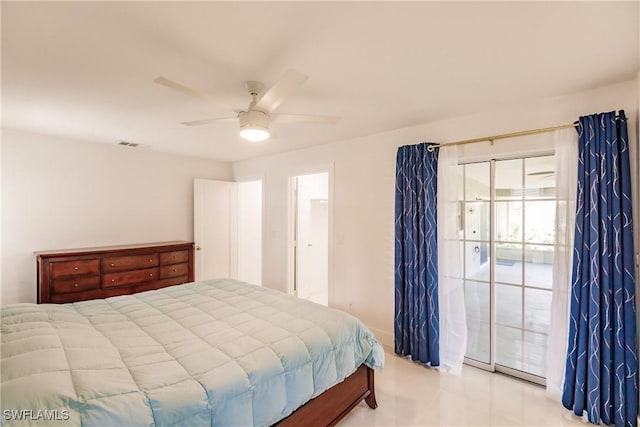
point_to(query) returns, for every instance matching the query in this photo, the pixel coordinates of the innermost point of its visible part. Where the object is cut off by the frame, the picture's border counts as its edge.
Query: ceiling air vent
(132, 144)
(128, 144)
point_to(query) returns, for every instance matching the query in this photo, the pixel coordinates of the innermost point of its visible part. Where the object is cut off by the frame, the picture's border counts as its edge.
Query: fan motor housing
(254, 119)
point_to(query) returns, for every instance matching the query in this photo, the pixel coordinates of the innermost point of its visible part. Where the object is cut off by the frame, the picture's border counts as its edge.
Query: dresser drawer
(130, 262)
(161, 284)
(93, 294)
(75, 268)
(79, 274)
(128, 277)
(174, 257)
(174, 270)
(62, 286)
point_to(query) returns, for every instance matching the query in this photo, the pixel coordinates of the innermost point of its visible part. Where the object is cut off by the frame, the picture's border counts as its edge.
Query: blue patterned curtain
(602, 366)
(416, 255)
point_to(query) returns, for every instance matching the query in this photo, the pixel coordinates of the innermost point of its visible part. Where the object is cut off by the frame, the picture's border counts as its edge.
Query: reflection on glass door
(509, 208)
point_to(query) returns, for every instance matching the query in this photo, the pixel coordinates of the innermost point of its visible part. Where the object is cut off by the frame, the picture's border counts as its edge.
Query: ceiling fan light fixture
(254, 134)
(254, 125)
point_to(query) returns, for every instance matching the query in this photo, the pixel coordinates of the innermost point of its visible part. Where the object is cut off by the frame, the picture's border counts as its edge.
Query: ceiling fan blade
(208, 121)
(280, 91)
(193, 93)
(302, 118)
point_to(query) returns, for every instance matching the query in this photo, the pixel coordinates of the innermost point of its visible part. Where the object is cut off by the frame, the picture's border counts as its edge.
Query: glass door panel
(539, 178)
(508, 183)
(538, 267)
(479, 342)
(476, 215)
(508, 268)
(477, 221)
(508, 220)
(477, 184)
(509, 347)
(509, 305)
(477, 302)
(534, 353)
(537, 309)
(509, 287)
(540, 227)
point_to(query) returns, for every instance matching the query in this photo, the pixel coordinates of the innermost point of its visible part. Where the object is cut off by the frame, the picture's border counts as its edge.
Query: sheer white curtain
(453, 326)
(566, 145)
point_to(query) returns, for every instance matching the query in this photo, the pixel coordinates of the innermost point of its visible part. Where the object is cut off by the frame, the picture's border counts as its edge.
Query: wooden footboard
(332, 405)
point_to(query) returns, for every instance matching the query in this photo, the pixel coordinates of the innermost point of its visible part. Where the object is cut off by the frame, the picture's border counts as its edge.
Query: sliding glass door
(508, 231)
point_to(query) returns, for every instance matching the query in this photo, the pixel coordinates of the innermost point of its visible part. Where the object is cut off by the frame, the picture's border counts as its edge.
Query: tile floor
(411, 395)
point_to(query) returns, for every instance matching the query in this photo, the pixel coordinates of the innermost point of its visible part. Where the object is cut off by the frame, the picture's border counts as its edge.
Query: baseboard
(385, 338)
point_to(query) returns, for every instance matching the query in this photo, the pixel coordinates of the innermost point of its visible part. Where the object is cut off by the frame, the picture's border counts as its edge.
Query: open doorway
(310, 236)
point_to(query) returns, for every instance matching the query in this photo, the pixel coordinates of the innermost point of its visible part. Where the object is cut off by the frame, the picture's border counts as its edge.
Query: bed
(217, 352)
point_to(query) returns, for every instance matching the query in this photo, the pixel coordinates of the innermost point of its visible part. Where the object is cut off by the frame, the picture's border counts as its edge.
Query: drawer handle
(113, 265)
(75, 268)
(150, 260)
(150, 274)
(113, 280)
(174, 270)
(174, 257)
(75, 285)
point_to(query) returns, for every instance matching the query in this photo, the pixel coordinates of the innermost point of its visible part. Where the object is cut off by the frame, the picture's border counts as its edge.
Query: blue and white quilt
(217, 352)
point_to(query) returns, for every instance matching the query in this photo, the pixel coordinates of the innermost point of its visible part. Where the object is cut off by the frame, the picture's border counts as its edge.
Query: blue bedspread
(217, 352)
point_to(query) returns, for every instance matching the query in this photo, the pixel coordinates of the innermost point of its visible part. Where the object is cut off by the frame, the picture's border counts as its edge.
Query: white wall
(0, 217)
(59, 193)
(364, 175)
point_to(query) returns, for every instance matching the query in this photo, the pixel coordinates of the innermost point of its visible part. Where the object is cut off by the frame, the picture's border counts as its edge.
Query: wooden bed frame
(94, 273)
(332, 405)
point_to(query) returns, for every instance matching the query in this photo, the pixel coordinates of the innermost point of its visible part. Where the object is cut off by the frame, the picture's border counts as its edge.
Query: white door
(310, 199)
(250, 231)
(214, 229)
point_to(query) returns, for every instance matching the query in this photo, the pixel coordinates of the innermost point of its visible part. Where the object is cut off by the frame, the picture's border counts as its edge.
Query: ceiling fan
(255, 121)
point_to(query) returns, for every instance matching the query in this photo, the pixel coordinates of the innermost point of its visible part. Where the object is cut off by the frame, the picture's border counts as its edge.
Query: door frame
(327, 168)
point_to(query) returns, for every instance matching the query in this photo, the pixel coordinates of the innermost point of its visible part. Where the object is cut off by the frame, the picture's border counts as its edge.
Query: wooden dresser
(91, 273)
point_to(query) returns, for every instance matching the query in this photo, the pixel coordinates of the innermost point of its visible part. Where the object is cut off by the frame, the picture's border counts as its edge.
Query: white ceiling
(85, 69)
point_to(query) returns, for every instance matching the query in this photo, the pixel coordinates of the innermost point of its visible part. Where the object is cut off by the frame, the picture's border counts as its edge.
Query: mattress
(217, 352)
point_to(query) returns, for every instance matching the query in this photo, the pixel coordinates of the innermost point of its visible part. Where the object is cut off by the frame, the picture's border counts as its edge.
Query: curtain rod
(431, 147)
